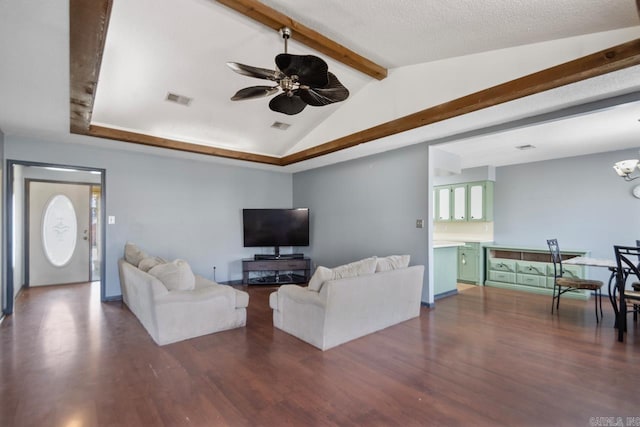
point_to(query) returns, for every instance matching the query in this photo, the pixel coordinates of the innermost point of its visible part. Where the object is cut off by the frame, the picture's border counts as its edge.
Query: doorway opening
(55, 226)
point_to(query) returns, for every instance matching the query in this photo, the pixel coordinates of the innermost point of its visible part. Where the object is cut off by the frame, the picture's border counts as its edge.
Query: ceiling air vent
(280, 125)
(526, 147)
(178, 99)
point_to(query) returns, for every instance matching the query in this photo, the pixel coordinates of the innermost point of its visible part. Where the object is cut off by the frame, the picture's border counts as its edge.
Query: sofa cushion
(133, 254)
(148, 263)
(175, 275)
(392, 262)
(358, 268)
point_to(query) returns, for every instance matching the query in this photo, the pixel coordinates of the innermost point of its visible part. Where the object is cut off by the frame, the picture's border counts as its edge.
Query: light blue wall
(578, 200)
(367, 206)
(171, 207)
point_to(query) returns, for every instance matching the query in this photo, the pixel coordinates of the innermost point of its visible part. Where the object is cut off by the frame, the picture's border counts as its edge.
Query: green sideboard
(529, 269)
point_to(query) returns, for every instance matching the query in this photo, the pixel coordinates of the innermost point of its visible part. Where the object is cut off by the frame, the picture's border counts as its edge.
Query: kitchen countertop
(465, 240)
(534, 249)
(446, 244)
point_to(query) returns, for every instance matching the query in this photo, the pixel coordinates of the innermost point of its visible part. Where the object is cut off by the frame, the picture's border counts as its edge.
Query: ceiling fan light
(619, 171)
(625, 167)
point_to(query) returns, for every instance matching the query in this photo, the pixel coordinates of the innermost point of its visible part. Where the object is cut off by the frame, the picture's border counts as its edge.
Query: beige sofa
(176, 315)
(347, 308)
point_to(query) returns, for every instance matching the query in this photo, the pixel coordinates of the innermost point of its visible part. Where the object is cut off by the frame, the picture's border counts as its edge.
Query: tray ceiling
(184, 49)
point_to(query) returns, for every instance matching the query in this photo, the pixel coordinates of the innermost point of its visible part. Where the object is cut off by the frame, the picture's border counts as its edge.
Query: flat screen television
(275, 227)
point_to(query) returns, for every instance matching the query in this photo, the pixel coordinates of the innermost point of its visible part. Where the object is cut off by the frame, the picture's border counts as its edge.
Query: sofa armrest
(298, 294)
(129, 273)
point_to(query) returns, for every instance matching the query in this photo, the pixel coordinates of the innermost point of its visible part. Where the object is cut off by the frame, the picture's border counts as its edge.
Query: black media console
(279, 271)
(259, 257)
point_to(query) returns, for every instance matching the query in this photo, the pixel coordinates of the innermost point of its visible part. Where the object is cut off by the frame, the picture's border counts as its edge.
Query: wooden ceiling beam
(88, 22)
(599, 63)
(305, 35)
(154, 141)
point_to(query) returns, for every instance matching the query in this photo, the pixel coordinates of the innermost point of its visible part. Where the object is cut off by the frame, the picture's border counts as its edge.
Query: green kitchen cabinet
(471, 263)
(444, 273)
(442, 203)
(470, 201)
(459, 205)
(480, 201)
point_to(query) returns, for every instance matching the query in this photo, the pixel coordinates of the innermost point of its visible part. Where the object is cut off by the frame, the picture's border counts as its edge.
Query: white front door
(58, 233)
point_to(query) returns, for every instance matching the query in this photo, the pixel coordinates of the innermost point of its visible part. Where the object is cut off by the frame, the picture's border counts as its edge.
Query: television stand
(282, 270)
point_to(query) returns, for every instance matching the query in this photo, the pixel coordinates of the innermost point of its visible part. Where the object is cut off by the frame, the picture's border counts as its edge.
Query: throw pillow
(148, 263)
(133, 254)
(321, 275)
(175, 275)
(392, 262)
(358, 268)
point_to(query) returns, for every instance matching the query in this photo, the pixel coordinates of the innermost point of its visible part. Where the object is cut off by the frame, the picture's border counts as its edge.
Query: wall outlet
(419, 223)
(111, 219)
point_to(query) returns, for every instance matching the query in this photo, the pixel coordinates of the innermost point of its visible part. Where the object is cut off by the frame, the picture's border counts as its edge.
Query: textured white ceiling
(406, 32)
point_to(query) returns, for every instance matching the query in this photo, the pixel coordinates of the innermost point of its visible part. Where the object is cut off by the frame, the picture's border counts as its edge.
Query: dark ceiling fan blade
(334, 91)
(287, 104)
(311, 70)
(254, 92)
(260, 73)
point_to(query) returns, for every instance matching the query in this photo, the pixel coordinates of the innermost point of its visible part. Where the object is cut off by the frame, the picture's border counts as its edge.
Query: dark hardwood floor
(484, 357)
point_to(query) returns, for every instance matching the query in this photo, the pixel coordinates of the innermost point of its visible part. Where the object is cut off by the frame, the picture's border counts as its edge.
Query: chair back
(625, 258)
(555, 257)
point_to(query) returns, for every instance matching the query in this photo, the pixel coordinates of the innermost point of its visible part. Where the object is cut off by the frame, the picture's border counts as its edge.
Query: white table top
(593, 262)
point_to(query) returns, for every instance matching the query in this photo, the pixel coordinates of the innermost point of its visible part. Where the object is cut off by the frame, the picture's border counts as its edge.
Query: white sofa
(348, 308)
(176, 315)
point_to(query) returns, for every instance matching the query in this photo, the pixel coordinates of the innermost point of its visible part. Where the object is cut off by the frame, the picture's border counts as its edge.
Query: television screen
(275, 227)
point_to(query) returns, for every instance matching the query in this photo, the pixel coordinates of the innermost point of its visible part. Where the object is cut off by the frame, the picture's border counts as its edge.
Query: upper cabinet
(480, 201)
(459, 205)
(443, 203)
(471, 201)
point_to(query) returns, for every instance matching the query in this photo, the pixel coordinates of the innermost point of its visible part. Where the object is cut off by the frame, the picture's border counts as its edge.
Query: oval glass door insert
(59, 230)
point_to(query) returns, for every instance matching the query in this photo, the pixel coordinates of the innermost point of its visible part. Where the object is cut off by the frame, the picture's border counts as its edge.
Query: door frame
(26, 231)
(9, 226)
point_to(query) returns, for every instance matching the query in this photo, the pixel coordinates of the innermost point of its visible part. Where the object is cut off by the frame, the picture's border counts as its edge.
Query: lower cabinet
(529, 269)
(470, 263)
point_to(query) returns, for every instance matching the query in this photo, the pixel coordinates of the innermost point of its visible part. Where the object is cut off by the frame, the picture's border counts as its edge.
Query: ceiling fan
(303, 79)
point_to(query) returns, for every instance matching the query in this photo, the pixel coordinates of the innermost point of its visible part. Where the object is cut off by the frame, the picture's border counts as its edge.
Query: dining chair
(562, 284)
(636, 285)
(626, 260)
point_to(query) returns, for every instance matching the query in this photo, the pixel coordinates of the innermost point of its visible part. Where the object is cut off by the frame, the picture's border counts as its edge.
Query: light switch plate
(419, 223)
(111, 219)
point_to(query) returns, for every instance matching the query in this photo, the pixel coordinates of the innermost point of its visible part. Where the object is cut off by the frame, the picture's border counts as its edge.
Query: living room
(186, 205)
